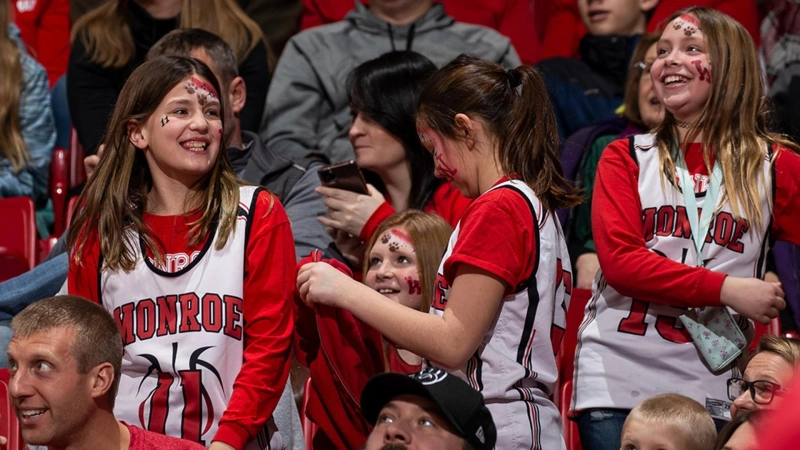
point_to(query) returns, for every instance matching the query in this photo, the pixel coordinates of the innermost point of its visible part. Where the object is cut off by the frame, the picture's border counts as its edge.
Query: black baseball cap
(460, 404)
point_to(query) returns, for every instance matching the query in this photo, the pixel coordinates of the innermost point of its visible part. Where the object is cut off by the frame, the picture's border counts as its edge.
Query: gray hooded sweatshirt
(307, 104)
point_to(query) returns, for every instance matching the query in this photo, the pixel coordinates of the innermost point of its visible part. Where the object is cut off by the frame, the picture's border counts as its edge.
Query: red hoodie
(342, 354)
(512, 18)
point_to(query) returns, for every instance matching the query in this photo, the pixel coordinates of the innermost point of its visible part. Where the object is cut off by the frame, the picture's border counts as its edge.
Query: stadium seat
(18, 244)
(774, 328)
(566, 364)
(59, 185)
(77, 173)
(9, 427)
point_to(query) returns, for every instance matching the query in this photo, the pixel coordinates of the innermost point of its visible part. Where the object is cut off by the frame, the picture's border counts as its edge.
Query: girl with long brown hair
(342, 352)
(503, 284)
(26, 119)
(684, 218)
(196, 268)
(113, 39)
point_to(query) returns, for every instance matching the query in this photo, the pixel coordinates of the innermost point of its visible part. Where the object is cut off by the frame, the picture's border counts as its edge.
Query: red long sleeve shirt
(267, 311)
(618, 229)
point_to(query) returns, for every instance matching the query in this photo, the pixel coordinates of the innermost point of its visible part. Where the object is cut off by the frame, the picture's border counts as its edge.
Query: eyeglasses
(761, 391)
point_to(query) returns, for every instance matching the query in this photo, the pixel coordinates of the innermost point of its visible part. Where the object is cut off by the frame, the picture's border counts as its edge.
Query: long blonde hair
(429, 234)
(115, 197)
(734, 119)
(107, 36)
(12, 145)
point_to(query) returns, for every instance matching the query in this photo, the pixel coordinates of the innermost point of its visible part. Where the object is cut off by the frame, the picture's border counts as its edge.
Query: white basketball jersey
(515, 366)
(630, 350)
(182, 332)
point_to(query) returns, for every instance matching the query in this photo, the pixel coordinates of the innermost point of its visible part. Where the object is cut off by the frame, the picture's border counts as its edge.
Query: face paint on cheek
(164, 121)
(705, 74)
(414, 287)
(444, 168)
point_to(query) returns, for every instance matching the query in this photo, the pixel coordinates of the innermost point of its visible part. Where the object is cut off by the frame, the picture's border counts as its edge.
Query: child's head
(668, 422)
(698, 48)
(473, 111)
(642, 106)
(615, 17)
(383, 94)
(708, 77)
(218, 56)
(166, 128)
(741, 432)
(403, 256)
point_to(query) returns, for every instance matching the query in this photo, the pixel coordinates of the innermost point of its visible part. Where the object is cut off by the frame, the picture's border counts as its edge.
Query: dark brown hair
(515, 106)
(635, 74)
(97, 338)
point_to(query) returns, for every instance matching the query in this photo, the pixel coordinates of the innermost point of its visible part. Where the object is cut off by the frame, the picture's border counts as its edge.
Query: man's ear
(136, 135)
(466, 129)
(648, 5)
(102, 378)
(237, 95)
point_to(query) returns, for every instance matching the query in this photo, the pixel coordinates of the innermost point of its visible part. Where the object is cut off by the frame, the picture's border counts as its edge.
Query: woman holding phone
(399, 170)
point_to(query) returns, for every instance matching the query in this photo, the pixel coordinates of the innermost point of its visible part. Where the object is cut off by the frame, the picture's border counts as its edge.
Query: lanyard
(699, 230)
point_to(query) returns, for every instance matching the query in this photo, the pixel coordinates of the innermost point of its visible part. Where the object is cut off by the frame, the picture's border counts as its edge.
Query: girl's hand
(351, 247)
(349, 211)
(322, 283)
(753, 298)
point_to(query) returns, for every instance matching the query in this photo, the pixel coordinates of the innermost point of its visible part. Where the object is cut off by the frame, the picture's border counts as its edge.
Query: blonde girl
(342, 352)
(683, 218)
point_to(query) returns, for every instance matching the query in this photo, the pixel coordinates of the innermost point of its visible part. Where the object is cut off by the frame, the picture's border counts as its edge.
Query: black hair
(183, 41)
(386, 90)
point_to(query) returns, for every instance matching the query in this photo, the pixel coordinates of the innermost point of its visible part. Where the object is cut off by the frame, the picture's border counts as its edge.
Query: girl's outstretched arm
(448, 341)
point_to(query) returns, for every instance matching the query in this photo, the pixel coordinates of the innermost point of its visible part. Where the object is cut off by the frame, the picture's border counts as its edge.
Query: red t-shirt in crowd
(147, 440)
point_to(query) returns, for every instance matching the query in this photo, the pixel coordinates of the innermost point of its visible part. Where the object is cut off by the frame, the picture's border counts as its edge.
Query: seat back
(77, 173)
(17, 236)
(59, 185)
(571, 437)
(309, 427)
(9, 426)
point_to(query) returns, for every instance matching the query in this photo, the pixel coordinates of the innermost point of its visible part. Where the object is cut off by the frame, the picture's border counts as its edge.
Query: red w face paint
(414, 287)
(705, 74)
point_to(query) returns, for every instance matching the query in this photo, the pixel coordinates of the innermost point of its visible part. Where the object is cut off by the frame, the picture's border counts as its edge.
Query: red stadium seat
(77, 173)
(571, 437)
(9, 427)
(566, 364)
(73, 202)
(59, 185)
(18, 242)
(774, 328)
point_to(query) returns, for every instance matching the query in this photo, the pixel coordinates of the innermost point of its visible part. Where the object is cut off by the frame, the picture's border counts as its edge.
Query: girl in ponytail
(504, 282)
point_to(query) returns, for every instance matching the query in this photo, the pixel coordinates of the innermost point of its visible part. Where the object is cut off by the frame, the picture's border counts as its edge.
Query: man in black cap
(430, 409)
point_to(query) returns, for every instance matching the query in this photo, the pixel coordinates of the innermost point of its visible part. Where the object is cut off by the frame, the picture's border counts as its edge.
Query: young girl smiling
(195, 267)
(683, 218)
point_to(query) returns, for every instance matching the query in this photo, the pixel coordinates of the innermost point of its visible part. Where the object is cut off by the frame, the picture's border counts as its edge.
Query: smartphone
(344, 175)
